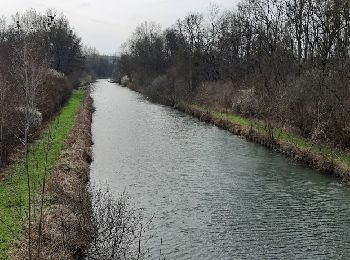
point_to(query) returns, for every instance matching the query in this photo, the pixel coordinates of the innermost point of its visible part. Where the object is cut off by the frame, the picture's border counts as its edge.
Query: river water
(213, 195)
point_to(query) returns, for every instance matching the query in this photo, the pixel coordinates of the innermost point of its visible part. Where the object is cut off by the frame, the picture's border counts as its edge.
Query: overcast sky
(106, 24)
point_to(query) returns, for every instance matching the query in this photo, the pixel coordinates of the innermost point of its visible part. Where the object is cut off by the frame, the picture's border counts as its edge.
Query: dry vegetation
(79, 221)
(48, 202)
(284, 64)
(40, 62)
(65, 230)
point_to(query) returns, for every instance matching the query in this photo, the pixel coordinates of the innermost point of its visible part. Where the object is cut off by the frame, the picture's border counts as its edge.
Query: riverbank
(316, 156)
(13, 190)
(67, 229)
(202, 182)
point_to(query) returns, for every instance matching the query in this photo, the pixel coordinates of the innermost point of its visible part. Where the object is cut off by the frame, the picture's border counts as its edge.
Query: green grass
(14, 192)
(282, 136)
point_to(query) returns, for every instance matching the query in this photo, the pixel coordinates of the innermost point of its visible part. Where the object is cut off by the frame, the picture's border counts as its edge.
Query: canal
(213, 195)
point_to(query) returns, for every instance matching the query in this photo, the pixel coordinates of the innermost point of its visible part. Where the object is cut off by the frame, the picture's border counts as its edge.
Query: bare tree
(290, 56)
(120, 229)
(4, 109)
(28, 71)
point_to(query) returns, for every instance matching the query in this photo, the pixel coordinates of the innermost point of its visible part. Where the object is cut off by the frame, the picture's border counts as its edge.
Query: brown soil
(66, 224)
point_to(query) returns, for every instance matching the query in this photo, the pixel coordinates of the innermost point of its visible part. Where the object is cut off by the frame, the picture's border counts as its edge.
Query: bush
(55, 92)
(217, 94)
(124, 81)
(119, 230)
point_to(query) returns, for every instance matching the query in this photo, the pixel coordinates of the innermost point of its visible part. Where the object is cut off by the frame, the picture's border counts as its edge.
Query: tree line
(41, 60)
(284, 62)
(98, 65)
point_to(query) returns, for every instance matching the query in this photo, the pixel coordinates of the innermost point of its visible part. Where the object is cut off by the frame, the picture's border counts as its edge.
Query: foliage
(13, 191)
(100, 66)
(40, 61)
(280, 61)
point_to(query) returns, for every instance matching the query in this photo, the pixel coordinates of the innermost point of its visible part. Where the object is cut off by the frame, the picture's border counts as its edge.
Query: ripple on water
(214, 195)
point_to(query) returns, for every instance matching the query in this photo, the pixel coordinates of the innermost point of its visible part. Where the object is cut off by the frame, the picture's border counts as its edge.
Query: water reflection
(214, 195)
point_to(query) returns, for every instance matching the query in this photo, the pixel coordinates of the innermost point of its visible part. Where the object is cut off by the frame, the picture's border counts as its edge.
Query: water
(214, 195)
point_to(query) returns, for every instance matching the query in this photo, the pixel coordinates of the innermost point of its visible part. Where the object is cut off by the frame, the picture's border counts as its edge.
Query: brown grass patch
(66, 224)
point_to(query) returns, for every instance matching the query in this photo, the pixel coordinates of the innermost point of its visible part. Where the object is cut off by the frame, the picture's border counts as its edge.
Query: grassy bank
(13, 190)
(322, 157)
